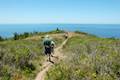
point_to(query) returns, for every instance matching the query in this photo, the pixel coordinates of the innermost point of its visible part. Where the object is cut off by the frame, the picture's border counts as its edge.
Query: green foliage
(19, 55)
(88, 58)
(20, 59)
(84, 33)
(79, 32)
(30, 34)
(1, 38)
(16, 36)
(21, 36)
(55, 31)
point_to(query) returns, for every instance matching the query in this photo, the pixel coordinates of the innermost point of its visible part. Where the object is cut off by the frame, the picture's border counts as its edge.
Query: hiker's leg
(49, 57)
(53, 51)
(45, 51)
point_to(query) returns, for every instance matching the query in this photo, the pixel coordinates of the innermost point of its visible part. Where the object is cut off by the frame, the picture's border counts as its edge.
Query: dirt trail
(57, 57)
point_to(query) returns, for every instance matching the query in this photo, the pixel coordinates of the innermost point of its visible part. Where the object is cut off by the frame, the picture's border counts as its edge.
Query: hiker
(66, 35)
(52, 46)
(49, 46)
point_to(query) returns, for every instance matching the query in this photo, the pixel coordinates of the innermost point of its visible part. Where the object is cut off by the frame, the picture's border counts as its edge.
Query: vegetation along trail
(47, 65)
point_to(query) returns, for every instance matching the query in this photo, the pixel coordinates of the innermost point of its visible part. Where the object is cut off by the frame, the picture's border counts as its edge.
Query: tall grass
(88, 58)
(22, 59)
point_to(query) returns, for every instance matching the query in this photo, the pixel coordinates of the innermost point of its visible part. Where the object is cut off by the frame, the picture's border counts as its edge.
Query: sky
(60, 11)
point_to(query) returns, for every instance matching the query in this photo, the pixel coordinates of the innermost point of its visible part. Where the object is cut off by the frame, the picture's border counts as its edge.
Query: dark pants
(47, 50)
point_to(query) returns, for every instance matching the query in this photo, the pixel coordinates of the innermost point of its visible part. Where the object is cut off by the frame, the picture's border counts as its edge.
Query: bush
(1, 38)
(88, 58)
(16, 36)
(20, 59)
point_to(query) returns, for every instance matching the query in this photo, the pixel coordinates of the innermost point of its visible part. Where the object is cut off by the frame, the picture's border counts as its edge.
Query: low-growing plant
(21, 58)
(88, 58)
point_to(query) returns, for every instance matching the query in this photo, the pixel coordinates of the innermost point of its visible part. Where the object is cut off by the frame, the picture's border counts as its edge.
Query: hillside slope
(22, 59)
(88, 58)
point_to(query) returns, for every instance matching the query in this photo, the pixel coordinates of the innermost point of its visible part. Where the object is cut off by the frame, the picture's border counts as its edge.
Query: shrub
(1, 38)
(88, 58)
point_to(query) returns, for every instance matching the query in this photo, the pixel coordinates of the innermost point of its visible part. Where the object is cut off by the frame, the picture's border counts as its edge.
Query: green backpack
(47, 42)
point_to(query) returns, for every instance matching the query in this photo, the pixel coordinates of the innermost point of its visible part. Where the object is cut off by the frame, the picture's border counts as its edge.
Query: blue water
(101, 30)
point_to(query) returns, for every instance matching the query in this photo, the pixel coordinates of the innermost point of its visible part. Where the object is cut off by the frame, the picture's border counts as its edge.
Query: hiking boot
(52, 55)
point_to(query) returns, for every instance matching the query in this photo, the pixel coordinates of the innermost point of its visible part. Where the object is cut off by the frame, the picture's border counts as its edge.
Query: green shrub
(88, 58)
(20, 59)
(1, 38)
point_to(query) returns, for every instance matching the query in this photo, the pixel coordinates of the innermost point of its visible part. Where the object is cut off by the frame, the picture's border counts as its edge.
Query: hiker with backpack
(47, 46)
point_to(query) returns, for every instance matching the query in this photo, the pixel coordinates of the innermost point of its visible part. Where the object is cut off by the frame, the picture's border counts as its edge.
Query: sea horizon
(100, 30)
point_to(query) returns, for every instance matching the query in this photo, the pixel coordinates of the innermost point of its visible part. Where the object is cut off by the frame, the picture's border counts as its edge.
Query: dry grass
(88, 58)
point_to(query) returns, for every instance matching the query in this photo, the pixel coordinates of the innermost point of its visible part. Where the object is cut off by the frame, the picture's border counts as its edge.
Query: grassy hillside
(22, 59)
(88, 58)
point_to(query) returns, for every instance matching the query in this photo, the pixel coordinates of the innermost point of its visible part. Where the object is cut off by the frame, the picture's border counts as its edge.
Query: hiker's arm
(55, 45)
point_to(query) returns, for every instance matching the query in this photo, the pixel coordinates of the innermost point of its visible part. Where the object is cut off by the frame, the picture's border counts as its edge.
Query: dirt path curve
(47, 65)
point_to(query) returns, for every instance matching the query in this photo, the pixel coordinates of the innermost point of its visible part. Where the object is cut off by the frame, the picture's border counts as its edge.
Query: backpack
(47, 42)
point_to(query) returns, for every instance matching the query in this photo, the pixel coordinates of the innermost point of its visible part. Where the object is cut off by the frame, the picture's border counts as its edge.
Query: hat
(47, 36)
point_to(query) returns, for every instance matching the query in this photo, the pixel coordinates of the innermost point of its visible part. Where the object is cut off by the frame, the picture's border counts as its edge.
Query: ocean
(100, 30)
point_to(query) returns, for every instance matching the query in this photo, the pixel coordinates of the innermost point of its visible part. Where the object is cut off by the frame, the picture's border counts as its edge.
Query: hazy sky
(60, 11)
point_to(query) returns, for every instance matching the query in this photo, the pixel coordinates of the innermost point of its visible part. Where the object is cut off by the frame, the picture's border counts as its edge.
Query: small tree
(35, 32)
(16, 36)
(1, 38)
(57, 29)
(26, 34)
